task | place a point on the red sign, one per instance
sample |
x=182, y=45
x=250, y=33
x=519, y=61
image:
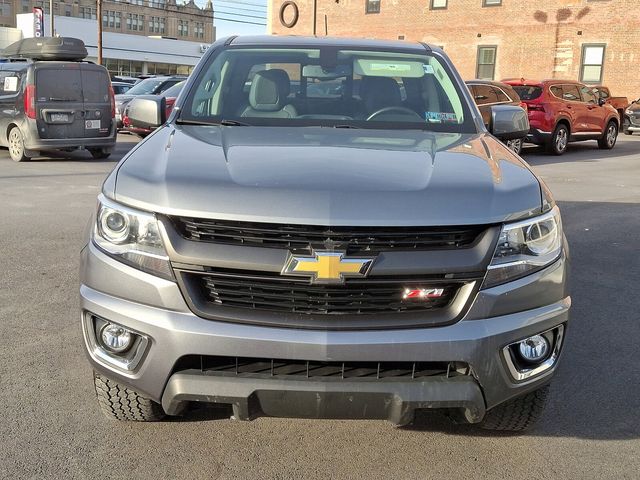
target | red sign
x=38, y=22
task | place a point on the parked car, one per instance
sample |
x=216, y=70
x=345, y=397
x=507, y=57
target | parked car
x=321, y=257
x=169, y=96
x=563, y=111
x=121, y=87
x=487, y=94
x=148, y=86
x=50, y=99
x=632, y=118
x=619, y=103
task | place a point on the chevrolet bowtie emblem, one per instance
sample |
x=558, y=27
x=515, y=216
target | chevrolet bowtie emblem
x=327, y=267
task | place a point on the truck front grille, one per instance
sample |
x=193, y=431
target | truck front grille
x=303, y=369
x=265, y=291
x=306, y=237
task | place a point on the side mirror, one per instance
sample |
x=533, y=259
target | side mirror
x=508, y=122
x=602, y=102
x=147, y=111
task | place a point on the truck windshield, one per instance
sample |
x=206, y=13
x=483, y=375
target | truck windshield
x=333, y=87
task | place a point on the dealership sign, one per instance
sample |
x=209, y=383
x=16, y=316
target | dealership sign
x=38, y=22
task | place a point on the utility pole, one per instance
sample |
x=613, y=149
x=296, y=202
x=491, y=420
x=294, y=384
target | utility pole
x=51, y=17
x=315, y=16
x=99, y=17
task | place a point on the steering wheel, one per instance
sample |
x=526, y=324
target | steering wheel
x=384, y=110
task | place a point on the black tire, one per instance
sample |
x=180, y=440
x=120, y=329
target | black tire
x=16, y=146
x=518, y=414
x=121, y=403
x=99, y=153
x=559, y=140
x=628, y=132
x=608, y=140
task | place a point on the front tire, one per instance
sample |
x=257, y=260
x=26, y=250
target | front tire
x=559, y=140
x=121, y=403
x=16, y=146
x=608, y=140
x=518, y=414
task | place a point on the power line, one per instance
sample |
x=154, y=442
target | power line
x=244, y=9
x=239, y=21
x=235, y=2
x=240, y=15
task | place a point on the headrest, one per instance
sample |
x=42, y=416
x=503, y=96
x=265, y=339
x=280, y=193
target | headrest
x=379, y=92
x=269, y=90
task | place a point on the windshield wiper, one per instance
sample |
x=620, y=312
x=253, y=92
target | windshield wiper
x=224, y=122
x=233, y=123
x=345, y=125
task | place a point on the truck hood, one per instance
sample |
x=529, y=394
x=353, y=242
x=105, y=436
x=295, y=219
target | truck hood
x=326, y=176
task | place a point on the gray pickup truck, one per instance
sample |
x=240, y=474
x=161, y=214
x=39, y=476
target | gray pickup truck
x=325, y=228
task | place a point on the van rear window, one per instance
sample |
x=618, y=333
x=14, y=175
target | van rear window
x=527, y=92
x=95, y=86
x=53, y=85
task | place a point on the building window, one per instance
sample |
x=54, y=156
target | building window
x=5, y=8
x=162, y=25
x=438, y=4
x=183, y=28
x=26, y=6
x=118, y=18
x=486, y=65
x=85, y=12
x=198, y=30
x=491, y=3
x=592, y=63
x=373, y=6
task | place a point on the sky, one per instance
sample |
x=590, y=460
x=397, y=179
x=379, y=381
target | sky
x=239, y=11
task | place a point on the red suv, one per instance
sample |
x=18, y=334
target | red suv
x=563, y=111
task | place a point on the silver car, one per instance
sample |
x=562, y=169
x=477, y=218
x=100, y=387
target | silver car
x=325, y=228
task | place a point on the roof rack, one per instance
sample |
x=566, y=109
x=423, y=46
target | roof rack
x=47, y=48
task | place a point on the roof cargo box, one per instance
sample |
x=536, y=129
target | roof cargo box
x=47, y=48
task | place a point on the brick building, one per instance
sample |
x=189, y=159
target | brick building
x=595, y=41
x=164, y=18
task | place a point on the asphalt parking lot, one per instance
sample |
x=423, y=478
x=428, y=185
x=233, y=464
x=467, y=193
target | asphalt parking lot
x=51, y=427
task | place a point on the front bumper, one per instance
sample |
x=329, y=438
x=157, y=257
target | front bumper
x=173, y=332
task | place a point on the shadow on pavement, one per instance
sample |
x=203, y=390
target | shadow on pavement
x=586, y=151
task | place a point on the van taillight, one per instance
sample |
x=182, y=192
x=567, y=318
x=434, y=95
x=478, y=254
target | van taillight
x=112, y=98
x=30, y=101
x=524, y=106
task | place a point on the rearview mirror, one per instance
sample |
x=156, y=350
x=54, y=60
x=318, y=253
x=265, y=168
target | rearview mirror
x=508, y=122
x=147, y=111
x=602, y=102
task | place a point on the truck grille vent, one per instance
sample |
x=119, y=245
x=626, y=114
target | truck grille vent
x=306, y=237
x=296, y=295
x=267, y=367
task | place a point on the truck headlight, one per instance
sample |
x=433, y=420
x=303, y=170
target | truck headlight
x=525, y=247
x=132, y=237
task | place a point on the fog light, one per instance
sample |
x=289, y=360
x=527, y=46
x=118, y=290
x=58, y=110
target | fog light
x=534, y=349
x=115, y=338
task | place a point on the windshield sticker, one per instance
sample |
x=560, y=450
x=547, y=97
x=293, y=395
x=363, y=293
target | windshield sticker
x=428, y=69
x=390, y=67
x=11, y=84
x=439, y=117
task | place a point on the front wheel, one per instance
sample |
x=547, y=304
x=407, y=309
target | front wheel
x=608, y=140
x=518, y=414
x=121, y=403
x=16, y=146
x=559, y=140
x=515, y=145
